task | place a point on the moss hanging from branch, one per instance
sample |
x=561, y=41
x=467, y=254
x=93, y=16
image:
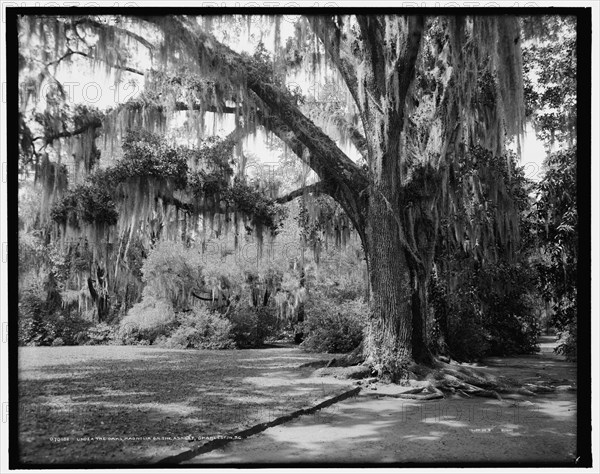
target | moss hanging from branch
x=54, y=181
x=157, y=182
x=488, y=48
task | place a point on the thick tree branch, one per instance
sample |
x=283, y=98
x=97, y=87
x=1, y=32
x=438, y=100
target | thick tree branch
x=342, y=193
x=71, y=52
x=372, y=34
x=326, y=159
x=50, y=138
x=398, y=76
x=352, y=132
x=284, y=118
x=317, y=188
x=96, y=24
x=326, y=155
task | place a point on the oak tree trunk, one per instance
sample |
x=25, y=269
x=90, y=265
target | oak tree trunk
x=395, y=336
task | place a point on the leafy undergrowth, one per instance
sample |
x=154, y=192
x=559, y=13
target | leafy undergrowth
x=127, y=404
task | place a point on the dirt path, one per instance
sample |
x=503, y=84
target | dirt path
x=390, y=430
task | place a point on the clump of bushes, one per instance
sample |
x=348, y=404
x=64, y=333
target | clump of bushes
x=491, y=313
x=100, y=334
x=468, y=337
x=567, y=341
x=201, y=329
x=251, y=326
x=45, y=324
x=333, y=326
x=147, y=320
x=153, y=321
x=171, y=271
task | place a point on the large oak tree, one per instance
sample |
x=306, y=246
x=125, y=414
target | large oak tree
x=424, y=91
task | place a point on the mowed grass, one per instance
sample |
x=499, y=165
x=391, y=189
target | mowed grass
x=128, y=404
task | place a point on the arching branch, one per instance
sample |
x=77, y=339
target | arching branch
x=283, y=117
x=96, y=24
x=50, y=138
x=327, y=160
x=71, y=52
x=347, y=194
x=317, y=188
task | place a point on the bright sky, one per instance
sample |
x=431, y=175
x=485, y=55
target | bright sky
x=532, y=155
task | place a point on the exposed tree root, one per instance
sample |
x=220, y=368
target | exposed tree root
x=353, y=372
x=432, y=381
x=423, y=393
x=353, y=358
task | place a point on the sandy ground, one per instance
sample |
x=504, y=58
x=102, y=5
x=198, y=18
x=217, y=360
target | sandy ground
x=374, y=429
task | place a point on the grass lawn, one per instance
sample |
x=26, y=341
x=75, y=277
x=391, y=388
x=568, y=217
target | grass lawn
x=114, y=404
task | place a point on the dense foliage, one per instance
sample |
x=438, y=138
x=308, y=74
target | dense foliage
x=489, y=312
x=333, y=326
x=558, y=236
x=550, y=79
x=201, y=329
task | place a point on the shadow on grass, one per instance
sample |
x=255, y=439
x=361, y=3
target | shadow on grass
x=538, y=430
x=123, y=404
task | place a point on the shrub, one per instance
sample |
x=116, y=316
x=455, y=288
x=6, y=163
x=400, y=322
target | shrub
x=201, y=329
x=567, y=341
x=491, y=312
x=99, y=334
x=467, y=337
x=33, y=327
x=509, y=309
x=334, y=326
x=252, y=326
x=512, y=333
x=147, y=320
x=171, y=271
x=565, y=319
x=41, y=325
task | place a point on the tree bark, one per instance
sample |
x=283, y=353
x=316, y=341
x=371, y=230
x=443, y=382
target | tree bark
x=388, y=343
x=396, y=334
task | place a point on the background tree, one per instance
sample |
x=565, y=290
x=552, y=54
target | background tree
x=551, y=98
x=550, y=80
x=557, y=227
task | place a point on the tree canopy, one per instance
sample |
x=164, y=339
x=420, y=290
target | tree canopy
x=408, y=132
